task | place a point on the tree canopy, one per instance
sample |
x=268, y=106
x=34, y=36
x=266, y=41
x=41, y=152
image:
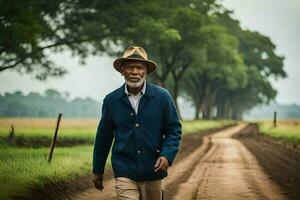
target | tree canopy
x=202, y=52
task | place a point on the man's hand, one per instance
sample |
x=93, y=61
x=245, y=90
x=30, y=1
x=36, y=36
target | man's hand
x=97, y=180
x=162, y=163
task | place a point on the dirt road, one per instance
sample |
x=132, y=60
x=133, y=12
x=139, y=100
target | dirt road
x=221, y=168
x=228, y=171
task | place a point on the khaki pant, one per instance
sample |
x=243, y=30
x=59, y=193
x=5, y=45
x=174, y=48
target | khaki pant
x=131, y=190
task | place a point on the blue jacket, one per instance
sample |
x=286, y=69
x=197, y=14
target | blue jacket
x=139, y=139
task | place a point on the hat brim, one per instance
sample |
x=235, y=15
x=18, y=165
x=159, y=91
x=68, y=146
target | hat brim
x=151, y=66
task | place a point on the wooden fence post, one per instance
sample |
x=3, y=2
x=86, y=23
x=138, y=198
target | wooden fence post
x=54, y=138
x=275, y=121
x=11, y=136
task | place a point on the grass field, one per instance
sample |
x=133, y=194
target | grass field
x=82, y=128
x=287, y=130
x=32, y=127
x=24, y=168
x=194, y=126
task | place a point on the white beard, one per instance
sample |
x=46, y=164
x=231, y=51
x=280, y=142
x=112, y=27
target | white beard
x=136, y=84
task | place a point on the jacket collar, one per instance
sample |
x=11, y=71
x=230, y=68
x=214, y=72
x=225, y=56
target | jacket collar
x=148, y=92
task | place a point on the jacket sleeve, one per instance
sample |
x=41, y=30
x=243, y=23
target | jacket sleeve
x=172, y=131
x=103, y=140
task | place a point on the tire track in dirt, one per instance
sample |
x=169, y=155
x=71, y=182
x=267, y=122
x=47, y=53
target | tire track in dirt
x=280, y=161
x=188, y=189
x=229, y=171
x=177, y=173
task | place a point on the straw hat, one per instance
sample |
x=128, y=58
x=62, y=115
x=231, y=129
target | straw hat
x=136, y=54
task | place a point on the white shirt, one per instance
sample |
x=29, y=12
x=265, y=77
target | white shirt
x=135, y=99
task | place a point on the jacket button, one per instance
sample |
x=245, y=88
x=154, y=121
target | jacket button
x=131, y=113
x=137, y=125
x=138, y=151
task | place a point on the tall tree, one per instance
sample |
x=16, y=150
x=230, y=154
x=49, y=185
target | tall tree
x=169, y=41
x=219, y=65
x=262, y=62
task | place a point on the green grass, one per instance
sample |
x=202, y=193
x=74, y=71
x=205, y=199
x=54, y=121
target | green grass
x=36, y=128
x=287, y=130
x=196, y=126
x=74, y=131
x=24, y=168
x=69, y=133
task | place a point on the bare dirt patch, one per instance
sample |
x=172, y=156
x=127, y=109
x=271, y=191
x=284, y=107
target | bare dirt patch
x=280, y=160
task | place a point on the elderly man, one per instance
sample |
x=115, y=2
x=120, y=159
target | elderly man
x=142, y=120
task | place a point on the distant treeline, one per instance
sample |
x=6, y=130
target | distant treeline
x=267, y=111
x=48, y=105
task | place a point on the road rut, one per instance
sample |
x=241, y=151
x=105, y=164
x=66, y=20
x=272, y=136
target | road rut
x=221, y=168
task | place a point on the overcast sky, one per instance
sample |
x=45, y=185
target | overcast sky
x=280, y=20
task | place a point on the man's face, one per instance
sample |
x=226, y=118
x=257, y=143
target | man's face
x=134, y=73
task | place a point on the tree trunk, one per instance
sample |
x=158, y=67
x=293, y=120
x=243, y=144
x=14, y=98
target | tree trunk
x=206, y=112
x=237, y=114
x=197, y=109
x=205, y=100
x=220, y=110
x=226, y=110
x=210, y=103
x=175, y=97
x=159, y=81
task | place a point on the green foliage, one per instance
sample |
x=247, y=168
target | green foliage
x=201, y=51
x=23, y=26
x=219, y=66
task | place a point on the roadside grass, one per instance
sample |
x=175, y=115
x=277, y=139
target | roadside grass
x=24, y=168
x=80, y=129
x=286, y=130
x=197, y=126
x=84, y=129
